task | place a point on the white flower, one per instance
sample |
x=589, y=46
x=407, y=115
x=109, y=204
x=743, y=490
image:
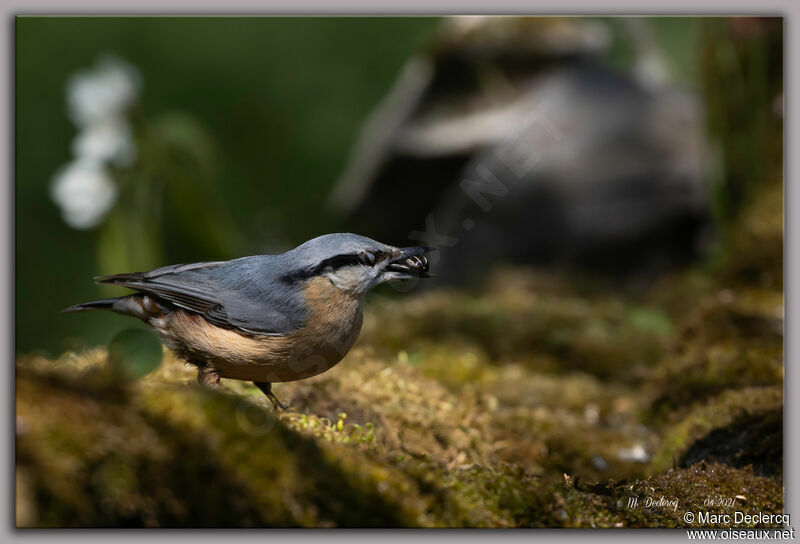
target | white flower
x=98, y=100
x=109, y=139
x=107, y=90
x=85, y=193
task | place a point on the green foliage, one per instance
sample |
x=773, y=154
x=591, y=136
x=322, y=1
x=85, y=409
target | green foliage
x=741, y=62
x=168, y=202
x=650, y=320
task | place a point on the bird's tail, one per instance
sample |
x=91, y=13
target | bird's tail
x=137, y=305
x=105, y=304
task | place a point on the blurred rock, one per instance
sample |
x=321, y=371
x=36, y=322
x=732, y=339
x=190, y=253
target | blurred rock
x=510, y=139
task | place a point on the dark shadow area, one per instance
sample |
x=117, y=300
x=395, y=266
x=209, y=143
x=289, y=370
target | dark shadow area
x=751, y=439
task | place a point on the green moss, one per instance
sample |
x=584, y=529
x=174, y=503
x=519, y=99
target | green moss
x=753, y=255
x=731, y=340
x=706, y=487
x=721, y=412
x=551, y=332
x=169, y=457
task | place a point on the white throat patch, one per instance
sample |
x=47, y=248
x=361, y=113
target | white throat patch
x=354, y=278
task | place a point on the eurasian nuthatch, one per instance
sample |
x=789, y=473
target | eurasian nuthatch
x=265, y=318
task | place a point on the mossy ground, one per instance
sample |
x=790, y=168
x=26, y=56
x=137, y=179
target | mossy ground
x=532, y=402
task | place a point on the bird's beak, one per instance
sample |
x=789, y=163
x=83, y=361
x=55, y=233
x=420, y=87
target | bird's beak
x=411, y=262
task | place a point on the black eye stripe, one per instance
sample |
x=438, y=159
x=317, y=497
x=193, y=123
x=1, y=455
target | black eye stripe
x=339, y=261
x=334, y=263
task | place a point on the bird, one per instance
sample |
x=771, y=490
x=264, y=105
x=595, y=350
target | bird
x=264, y=318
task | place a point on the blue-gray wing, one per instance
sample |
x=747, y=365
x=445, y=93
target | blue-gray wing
x=242, y=294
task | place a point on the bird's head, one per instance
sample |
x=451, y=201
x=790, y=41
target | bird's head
x=356, y=263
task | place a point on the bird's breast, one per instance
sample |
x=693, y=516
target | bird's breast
x=332, y=327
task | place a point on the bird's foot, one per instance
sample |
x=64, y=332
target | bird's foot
x=266, y=388
x=208, y=376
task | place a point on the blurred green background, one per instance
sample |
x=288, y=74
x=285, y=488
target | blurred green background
x=280, y=99
x=253, y=119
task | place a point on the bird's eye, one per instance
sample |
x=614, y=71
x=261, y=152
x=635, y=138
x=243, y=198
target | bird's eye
x=366, y=258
